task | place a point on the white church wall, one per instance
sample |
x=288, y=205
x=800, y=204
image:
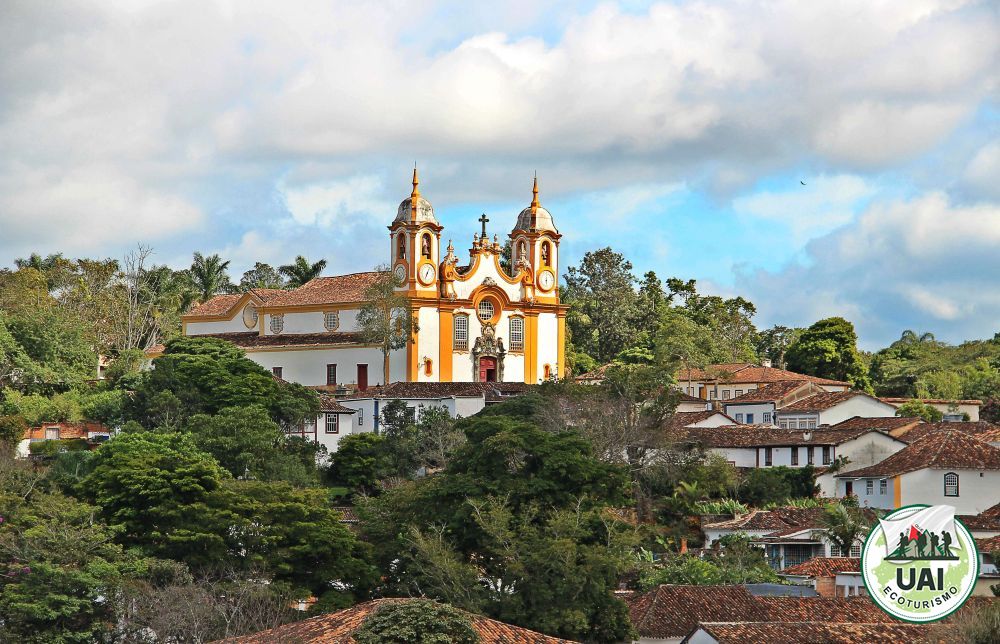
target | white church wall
x=314, y=322
x=308, y=367
x=548, y=349
x=487, y=268
x=219, y=326
x=428, y=344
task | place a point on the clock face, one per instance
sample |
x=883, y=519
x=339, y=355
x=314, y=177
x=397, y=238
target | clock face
x=546, y=280
x=401, y=273
x=427, y=273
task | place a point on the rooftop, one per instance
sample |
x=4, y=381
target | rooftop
x=946, y=449
x=674, y=610
x=888, y=423
x=823, y=401
x=986, y=521
x=980, y=429
x=681, y=419
x=430, y=390
x=221, y=305
x=768, y=435
x=824, y=567
x=339, y=627
x=253, y=339
x=797, y=632
x=745, y=372
x=769, y=393
x=930, y=401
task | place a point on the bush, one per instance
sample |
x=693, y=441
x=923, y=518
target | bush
x=50, y=448
x=12, y=429
x=416, y=621
x=777, y=485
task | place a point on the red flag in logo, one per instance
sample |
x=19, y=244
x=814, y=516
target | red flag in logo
x=914, y=533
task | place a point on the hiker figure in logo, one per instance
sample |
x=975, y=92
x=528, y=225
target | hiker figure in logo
x=921, y=544
x=946, y=546
x=904, y=543
x=934, y=544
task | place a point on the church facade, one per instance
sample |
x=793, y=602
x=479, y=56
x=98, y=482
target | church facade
x=475, y=321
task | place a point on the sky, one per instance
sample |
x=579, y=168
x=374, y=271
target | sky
x=819, y=158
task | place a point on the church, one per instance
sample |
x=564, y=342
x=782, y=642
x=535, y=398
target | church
x=475, y=321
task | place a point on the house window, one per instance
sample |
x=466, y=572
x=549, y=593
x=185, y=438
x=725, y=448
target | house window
x=361, y=416
x=276, y=371
x=812, y=424
x=331, y=374
x=869, y=487
x=331, y=320
x=803, y=423
x=783, y=424
x=250, y=316
x=826, y=456
x=739, y=418
x=277, y=323
x=810, y=456
x=486, y=310
x=749, y=419
x=856, y=550
x=51, y=433
x=516, y=334
x=332, y=424
x=795, y=456
x=883, y=486
x=738, y=393
x=711, y=395
x=725, y=394
x=767, y=456
x=951, y=484
x=462, y=332
x=766, y=417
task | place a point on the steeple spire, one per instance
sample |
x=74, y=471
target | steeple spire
x=415, y=195
x=534, y=192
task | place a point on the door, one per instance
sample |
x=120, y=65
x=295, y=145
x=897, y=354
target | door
x=849, y=488
x=362, y=377
x=487, y=370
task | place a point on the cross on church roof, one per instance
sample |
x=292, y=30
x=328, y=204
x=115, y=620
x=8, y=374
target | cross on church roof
x=483, y=220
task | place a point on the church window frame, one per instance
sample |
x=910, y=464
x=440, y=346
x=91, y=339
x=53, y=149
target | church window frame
x=426, y=245
x=331, y=320
x=250, y=316
x=516, y=333
x=546, y=253
x=951, y=484
x=486, y=310
x=277, y=323
x=401, y=247
x=461, y=332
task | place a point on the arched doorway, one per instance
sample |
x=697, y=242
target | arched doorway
x=487, y=369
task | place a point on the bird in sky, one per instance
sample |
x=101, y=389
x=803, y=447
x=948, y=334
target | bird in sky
x=802, y=182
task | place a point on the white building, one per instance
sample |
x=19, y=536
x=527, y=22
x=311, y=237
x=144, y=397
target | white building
x=945, y=467
x=830, y=408
x=732, y=380
x=953, y=410
x=476, y=322
x=760, y=406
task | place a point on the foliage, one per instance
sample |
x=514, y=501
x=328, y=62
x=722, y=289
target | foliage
x=209, y=277
x=261, y=276
x=361, y=462
x=205, y=375
x=44, y=349
x=736, y=562
x=773, y=343
x=416, y=621
x=762, y=486
x=301, y=271
x=918, y=409
x=843, y=525
x=721, y=506
x=385, y=319
x=12, y=430
x=828, y=349
x=601, y=294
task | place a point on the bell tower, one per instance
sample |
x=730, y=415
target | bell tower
x=535, y=247
x=415, y=244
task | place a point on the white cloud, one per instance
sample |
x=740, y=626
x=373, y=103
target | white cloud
x=924, y=263
x=336, y=203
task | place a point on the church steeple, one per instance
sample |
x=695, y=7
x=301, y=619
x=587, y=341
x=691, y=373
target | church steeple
x=534, y=193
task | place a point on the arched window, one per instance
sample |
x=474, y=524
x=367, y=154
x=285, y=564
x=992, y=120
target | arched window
x=331, y=320
x=461, y=332
x=546, y=254
x=517, y=334
x=425, y=246
x=522, y=249
x=401, y=253
x=277, y=323
x=486, y=310
x=951, y=484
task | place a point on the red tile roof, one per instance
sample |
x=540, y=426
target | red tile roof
x=339, y=627
x=681, y=419
x=857, y=610
x=769, y=393
x=888, y=423
x=798, y=632
x=986, y=521
x=221, y=305
x=768, y=435
x=930, y=401
x=778, y=521
x=823, y=401
x=673, y=610
x=253, y=339
x=980, y=429
x=328, y=403
x=946, y=449
x=341, y=289
x=988, y=544
x=431, y=390
x=67, y=431
x=824, y=567
x=745, y=372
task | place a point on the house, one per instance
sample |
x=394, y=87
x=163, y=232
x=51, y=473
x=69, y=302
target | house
x=789, y=536
x=830, y=408
x=333, y=422
x=829, y=576
x=687, y=402
x=768, y=446
x=476, y=320
x=668, y=613
x=731, y=380
x=989, y=575
x=983, y=525
x=953, y=410
x=93, y=433
x=945, y=467
x=780, y=632
x=759, y=405
x=705, y=418
x=339, y=626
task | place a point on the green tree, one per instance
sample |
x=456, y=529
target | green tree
x=361, y=462
x=602, y=288
x=770, y=485
x=261, y=276
x=209, y=276
x=773, y=344
x=301, y=271
x=416, y=621
x=843, y=526
x=205, y=375
x=918, y=409
x=385, y=319
x=12, y=430
x=828, y=349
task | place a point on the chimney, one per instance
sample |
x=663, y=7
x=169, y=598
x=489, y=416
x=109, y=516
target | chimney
x=766, y=362
x=807, y=436
x=684, y=545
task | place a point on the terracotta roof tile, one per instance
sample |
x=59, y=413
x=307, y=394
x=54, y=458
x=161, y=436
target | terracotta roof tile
x=67, y=431
x=744, y=372
x=980, y=429
x=221, y=305
x=946, y=449
x=887, y=423
x=347, y=514
x=829, y=633
x=824, y=567
x=768, y=435
x=769, y=393
x=253, y=340
x=431, y=390
x=822, y=401
x=857, y=610
x=987, y=520
x=339, y=627
x=673, y=610
x=328, y=403
x=778, y=521
x=341, y=289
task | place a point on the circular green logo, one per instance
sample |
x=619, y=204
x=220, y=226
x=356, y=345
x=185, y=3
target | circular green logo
x=919, y=563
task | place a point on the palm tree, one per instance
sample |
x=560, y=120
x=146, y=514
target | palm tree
x=208, y=275
x=301, y=271
x=843, y=525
